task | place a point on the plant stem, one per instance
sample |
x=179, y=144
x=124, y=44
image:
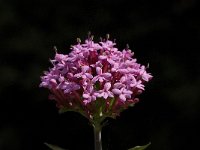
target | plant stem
x=97, y=137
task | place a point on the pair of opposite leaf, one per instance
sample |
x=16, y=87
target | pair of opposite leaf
x=54, y=147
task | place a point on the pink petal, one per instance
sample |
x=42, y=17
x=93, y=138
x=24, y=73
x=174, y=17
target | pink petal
x=116, y=91
x=122, y=97
x=101, y=79
x=84, y=76
x=118, y=85
x=132, y=85
x=78, y=75
x=88, y=75
x=86, y=101
x=110, y=94
x=100, y=94
x=127, y=95
x=85, y=68
x=140, y=85
x=99, y=70
x=123, y=79
x=59, y=57
x=53, y=81
x=105, y=95
x=102, y=57
x=93, y=97
x=106, y=75
x=107, y=86
x=95, y=79
x=127, y=92
x=61, y=79
x=112, y=62
x=146, y=76
x=86, y=95
x=123, y=70
x=90, y=89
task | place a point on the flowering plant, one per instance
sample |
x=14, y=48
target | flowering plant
x=96, y=80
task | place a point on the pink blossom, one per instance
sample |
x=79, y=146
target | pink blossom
x=123, y=93
x=89, y=95
x=95, y=75
x=84, y=73
x=105, y=92
x=101, y=76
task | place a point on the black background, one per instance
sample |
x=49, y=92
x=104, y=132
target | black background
x=165, y=34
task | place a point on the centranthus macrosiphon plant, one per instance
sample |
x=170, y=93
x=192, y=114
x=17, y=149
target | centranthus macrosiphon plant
x=95, y=79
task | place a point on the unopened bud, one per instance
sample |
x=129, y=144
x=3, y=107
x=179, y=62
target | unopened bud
x=89, y=34
x=55, y=49
x=127, y=47
x=91, y=37
x=78, y=40
x=107, y=36
x=147, y=65
x=101, y=39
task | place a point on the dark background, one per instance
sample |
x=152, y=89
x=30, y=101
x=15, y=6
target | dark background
x=164, y=33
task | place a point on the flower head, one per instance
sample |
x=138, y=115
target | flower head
x=95, y=79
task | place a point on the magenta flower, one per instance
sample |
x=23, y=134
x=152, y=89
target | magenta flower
x=101, y=76
x=95, y=78
x=105, y=92
x=89, y=94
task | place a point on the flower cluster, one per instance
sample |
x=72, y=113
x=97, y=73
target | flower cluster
x=95, y=79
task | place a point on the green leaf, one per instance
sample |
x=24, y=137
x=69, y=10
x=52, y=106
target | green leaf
x=54, y=147
x=140, y=147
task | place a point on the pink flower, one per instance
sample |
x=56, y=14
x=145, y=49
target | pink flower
x=107, y=45
x=123, y=93
x=84, y=73
x=89, y=95
x=101, y=76
x=95, y=75
x=105, y=92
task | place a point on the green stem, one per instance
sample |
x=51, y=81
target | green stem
x=97, y=137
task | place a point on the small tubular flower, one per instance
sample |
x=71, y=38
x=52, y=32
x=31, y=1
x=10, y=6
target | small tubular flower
x=105, y=92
